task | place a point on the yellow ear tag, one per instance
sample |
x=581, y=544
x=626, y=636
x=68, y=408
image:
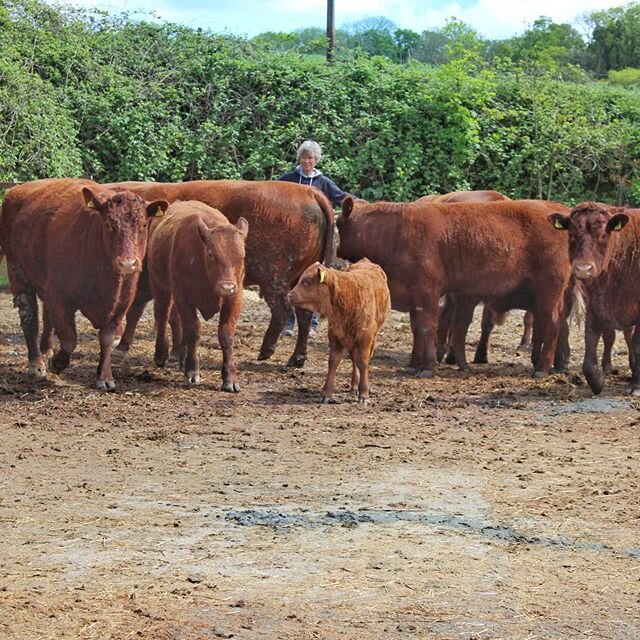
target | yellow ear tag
x=91, y=204
x=323, y=276
x=159, y=212
x=557, y=224
x=618, y=226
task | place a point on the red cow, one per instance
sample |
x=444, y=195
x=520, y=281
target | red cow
x=464, y=196
x=356, y=303
x=292, y=226
x=196, y=263
x=488, y=250
x=78, y=246
x=604, y=249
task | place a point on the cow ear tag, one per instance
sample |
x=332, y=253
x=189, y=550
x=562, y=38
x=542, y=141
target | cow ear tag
x=159, y=212
x=618, y=226
x=557, y=224
x=91, y=204
x=323, y=276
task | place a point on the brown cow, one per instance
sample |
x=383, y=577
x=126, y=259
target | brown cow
x=196, y=263
x=489, y=250
x=356, y=303
x=292, y=226
x=78, y=246
x=604, y=249
x=464, y=196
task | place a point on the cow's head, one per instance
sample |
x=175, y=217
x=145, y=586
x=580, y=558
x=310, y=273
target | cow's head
x=224, y=251
x=124, y=218
x=312, y=291
x=590, y=226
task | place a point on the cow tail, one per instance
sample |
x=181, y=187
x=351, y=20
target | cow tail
x=329, y=253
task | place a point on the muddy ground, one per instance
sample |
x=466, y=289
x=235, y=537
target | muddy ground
x=476, y=506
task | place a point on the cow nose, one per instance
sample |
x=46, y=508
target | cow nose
x=584, y=270
x=228, y=288
x=128, y=265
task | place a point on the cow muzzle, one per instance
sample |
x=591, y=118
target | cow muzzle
x=127, y=266
x=584, y=270
x=227, y=289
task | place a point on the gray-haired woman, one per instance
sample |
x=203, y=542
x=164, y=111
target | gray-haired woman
x=309, y=154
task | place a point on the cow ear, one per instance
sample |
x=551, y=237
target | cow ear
x=91, y=200
x=347, y=206
x=157, y=209
x=617, y=222
x=243, y=226
x=559, y=221
x=203, y=230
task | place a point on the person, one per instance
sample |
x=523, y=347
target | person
x=309, y=155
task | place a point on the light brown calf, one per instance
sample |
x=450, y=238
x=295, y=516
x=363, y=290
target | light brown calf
x=356, y=302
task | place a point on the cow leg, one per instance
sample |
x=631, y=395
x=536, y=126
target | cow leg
x=191, y=328
x=299, y=356
x=226, y=333
x=46, y=339
x=527, y=323
x=133, y=317
x=27, y=304
x=634, y=388
x=447, y=314
x=590, y=369
x=63, y=320
x=161, y=310
x=426, y=327
x=106, y=336
x=336, y=351
x=177, y=339
x=563, y=349
x=487, y=324
x=361, y=364
x=628, y=337
x=279, y=307
x=608, y=339
x=544, y=340
x=462, y=319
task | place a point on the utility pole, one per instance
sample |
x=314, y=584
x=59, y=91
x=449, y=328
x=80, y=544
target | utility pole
x=331, y=32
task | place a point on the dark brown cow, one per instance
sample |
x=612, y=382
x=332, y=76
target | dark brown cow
x=292, y=226
x=196, y=263
x=464, y=196
x=604, y=249
x=487, y=250
x=78, y=246
x=356, y=302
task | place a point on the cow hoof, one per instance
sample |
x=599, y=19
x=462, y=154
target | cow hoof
x=192, y=379
x=106, y=385
x=265, y=354
x=424, y=373
x=296, y=361
x=465, y=368
x=230, y=387
x=37, y=371
x=634, y=391
x=481, y=360
x=362, y=400
x=539, y=375
x=326, y=400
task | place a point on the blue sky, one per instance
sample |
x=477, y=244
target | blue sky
x=490, y=18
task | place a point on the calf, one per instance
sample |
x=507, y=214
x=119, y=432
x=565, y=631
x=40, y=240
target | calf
x=356, y=303
x=196, y=263
x=77, y=246
x=604, y=249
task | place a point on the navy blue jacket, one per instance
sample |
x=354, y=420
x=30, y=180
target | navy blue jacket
x=317, y=180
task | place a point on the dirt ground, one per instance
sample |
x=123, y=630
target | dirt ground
x=474, y=506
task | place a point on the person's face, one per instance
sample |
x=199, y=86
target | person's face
x=308, y=163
